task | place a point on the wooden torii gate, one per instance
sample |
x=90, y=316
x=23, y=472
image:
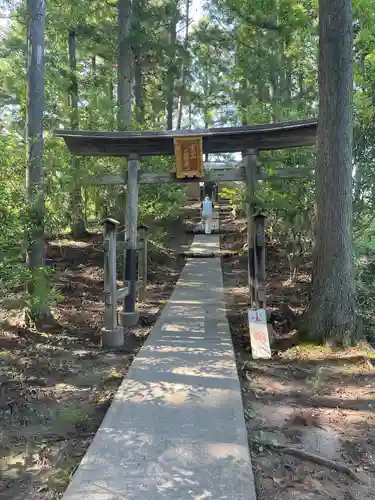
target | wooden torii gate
x=134, y=145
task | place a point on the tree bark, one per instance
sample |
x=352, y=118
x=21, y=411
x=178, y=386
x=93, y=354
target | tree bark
x=94, y=104
x=124, y=83
x=111, y=88
x=139, y=105
x=332, y=313
x=171, y=73
x=138, y=89
x=38, y=310
x=124, y=65
x=77, y=222
x=184, y=68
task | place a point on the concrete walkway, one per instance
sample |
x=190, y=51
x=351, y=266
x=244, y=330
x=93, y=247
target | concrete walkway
x=175, y=429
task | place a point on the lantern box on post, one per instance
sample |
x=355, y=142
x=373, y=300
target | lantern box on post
x=260, y=231
x=143, y=231
x=189, y=157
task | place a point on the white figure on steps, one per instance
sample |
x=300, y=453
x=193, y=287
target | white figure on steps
x=207, y=209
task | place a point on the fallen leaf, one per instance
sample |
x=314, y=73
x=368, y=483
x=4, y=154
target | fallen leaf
x=279, y=481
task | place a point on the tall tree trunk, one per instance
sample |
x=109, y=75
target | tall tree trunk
x=124, y=85
x=94, y=104
x=184, y=68
x=111, y=88
x=94, y=194
x=124, y=65
x=38, y=311
x=301, y=81
x=171, y=74
x=243, y=106
x=287, y=70
x=332, y=313
x=275, y=72
x=139, y=108
x=138, y=88
x=78, y=224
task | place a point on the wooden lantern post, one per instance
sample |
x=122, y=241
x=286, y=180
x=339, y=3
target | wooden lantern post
x=260, y=259
x=143, y=259
x=112, y=334
x=250, y=162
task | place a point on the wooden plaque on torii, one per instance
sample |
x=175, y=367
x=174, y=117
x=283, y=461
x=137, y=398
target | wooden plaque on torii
x=189, y=157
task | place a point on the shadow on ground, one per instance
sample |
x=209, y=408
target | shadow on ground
x=55, y=387
x=313, y=398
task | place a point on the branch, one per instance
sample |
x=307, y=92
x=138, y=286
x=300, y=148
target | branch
x=268, y=24
x=265, y=25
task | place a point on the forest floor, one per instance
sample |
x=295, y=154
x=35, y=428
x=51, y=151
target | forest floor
x=56, y=387
x=309, y=398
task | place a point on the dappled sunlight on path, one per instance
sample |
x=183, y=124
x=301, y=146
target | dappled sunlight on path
x=175, y=429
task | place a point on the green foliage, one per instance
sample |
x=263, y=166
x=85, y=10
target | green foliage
x=41, y=295
x=158, y=201
x=365, y=269
x=250, y=61
x=269, y=49
x=95, y=25
x=235, y=195
x=13, y=215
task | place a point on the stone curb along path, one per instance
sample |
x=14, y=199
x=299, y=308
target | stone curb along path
x=175, y=429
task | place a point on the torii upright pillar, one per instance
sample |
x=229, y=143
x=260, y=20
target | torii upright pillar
x=129, y=316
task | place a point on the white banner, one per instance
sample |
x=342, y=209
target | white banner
x=259, y=339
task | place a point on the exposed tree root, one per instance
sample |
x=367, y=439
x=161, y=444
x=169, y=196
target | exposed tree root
x=312, y=457
x=57, y=439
